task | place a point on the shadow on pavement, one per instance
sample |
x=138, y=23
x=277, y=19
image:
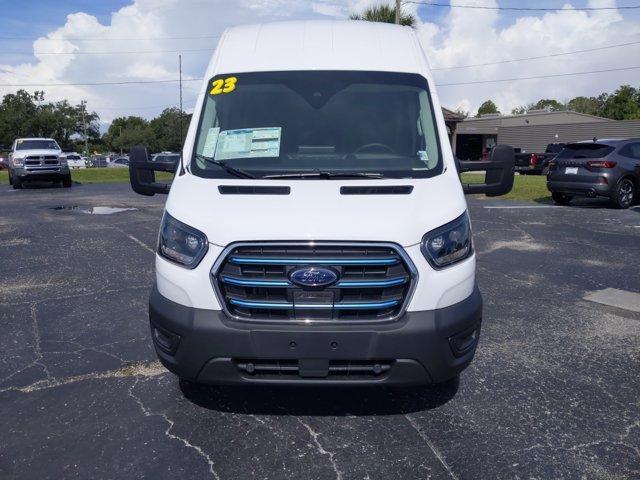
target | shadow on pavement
x=320, y=401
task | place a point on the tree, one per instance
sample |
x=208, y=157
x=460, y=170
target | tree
x=588, y=105
x=548, y=104
x=624, y=104
x=385, y=14
x=125, y=132
x=25, y=115
x=166, y=130
x=487, y=107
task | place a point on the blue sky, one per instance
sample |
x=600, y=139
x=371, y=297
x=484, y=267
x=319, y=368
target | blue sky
x=452, y=37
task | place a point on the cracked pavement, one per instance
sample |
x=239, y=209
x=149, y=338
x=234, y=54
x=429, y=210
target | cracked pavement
x=553, y=392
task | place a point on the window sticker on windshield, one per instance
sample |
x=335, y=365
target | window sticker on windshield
x=210, y=142
x=248, y=143
x=223, y=85
x=423, y=156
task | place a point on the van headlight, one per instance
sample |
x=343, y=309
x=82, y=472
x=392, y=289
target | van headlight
x=18, y=162
x=448, y=244
x=180, y=243
x=63, y=161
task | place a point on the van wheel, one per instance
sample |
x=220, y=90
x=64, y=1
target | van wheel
x=10, y=179
x=66, y=181
x=17, y=183
x=624, y=194
x=545, y=171
x=561, y=198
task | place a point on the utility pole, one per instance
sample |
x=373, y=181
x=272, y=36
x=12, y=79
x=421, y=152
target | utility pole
x=180, y=70
x=84, y=126
x=397, y=12
x=120, y=140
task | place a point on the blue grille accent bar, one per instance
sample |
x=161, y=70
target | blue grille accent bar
x=314, y=261
x=255, y=282
x=342, y=284
x=372, y=283
x=337, y=306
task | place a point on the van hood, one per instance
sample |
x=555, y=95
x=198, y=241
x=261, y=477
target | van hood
x=316, y=210
x=36, y=152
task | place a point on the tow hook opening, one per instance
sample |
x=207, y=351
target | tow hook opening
x=463, y=342
x=165, y=340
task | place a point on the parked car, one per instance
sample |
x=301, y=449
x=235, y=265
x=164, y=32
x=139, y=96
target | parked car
x=599, y=168
x=37, y=159
x=537, y=163
x=166, y=157
x=74, y=160
x=122, y=162
x=306, y=244
x=98, y=161
x=4, y=162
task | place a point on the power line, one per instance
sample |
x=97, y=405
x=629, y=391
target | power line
x=108, y=39
x=126, y=52
x=521, y=9
x=144, y=82
x=569, y=74
x=93, y=84
x=538, y=57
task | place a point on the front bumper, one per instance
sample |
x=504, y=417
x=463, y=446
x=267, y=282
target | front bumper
x=41, y=173
x=420, y=348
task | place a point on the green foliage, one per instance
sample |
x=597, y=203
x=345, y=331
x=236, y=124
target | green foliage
x=487, y=107
x=25, y=115
x=385, y=14
x=623, y=104
x=160, y=134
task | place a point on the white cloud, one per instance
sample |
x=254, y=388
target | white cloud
x=463, y=37
x=478, y=36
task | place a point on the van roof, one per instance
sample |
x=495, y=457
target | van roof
x=318, y=45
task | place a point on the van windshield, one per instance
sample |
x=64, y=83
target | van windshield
x=306, y=123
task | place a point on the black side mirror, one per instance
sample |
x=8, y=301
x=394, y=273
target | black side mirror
x=142, y=172
x=499, y=172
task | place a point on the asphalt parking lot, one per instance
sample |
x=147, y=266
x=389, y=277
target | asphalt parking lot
x=554, y=391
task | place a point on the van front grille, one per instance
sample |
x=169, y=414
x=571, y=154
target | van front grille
x=373, y=282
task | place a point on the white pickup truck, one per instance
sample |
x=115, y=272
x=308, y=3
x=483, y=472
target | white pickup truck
x=37, y=159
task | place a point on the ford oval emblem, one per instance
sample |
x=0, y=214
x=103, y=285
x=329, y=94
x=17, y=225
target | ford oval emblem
x=313, y=277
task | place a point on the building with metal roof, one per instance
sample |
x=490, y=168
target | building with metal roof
x=533, y=130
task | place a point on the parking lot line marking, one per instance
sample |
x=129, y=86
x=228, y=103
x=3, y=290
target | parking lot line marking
x=504, y=207
x=138, y=241
x=614, y=297
x=433, y=448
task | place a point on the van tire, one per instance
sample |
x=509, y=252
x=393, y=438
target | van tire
x=561, y=198
x=10, y=179
x=66, y=181
x=16, y=183
x=623, y=194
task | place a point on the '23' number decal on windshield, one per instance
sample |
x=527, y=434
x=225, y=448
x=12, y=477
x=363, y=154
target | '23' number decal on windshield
x=223, y=85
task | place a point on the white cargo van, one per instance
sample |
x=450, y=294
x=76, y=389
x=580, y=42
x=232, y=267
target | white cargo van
x=316, y=230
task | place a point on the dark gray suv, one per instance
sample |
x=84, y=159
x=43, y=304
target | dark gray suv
x=600, y=168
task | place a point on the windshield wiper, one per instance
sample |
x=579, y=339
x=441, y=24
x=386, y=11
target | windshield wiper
x=325, y=174
x=236, y=172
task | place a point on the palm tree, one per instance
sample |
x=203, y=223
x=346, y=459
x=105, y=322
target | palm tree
x=386, y=14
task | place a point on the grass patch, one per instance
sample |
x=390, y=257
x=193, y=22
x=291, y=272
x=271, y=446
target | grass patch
x=529, y=188
x=100, y=175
